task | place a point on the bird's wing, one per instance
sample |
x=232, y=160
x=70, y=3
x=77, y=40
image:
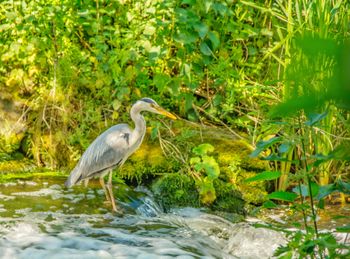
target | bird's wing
x=106, y=151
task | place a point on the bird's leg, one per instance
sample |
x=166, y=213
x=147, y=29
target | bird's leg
x=110, y=189
x=102, y=182
x=86, y=182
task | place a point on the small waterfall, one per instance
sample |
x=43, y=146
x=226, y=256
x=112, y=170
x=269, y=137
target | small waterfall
x=148, y=208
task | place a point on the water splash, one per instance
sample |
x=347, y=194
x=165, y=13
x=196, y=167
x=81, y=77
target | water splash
x=40, y=219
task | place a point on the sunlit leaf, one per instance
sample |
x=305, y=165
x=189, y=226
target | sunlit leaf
x=343, y=229
x=264, y=176
x=161, y=81
x=269, y=204
x=206, y=191
x=211, y=167
x=203, y=149
x=283, y=196
x=149, y=30
x=195, y=160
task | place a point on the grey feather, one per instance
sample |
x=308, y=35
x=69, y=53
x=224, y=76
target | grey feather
x=107, y=151
x=113, y=147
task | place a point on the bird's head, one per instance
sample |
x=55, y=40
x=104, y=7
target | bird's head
x=148, y=104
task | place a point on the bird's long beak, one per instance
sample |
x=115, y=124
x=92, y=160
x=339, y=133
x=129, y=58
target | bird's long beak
x=166, y=113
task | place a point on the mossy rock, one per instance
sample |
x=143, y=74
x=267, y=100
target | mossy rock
x=232, y=155
x=176, y=190
x=180, y=190
x=228, y=198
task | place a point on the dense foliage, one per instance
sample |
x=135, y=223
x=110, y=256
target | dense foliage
x=69, y=69
x=75, y=67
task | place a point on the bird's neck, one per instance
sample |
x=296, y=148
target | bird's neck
x=140, y=125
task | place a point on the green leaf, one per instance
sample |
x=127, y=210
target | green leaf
x=214, y=38
x=202, y=29
x=269, y=204
x=205, y=49
x=221, y=8
x=262, y=145
x=284, y=148
x=274, y=157
x=314, y=189
x=185, y=37
x=195, y=160
x=206, y=191
x=189, y=2
x=264, y=176
x=283, y=196
x=344, y=229
x=149, y=30
x=161, y=81
x=211, y=167
x=203, y=149
x=302, y=190
x=321, y=204
x=325, y=190
x=315, y=118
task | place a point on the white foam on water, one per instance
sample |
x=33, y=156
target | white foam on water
x=145, y=232
x=30, y=183
x=55, y=194
x=6, y=197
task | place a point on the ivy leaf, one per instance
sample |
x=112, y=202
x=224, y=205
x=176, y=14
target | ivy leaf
x=195, y=160
x=207, y=191
x=283, y=196
x=264, y=176
x=211, y=167
x=203, y=149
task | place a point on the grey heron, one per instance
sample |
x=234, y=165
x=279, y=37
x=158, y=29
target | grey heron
x=112, y=148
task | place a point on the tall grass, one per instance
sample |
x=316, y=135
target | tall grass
x=323, y=19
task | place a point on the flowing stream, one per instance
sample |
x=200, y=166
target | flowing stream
x=39, y=218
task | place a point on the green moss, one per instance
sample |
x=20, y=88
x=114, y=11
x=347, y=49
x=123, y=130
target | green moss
x=147, y=162
x=232, y=155
x=176, y=189
x=228, y=198
x=6, y=177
